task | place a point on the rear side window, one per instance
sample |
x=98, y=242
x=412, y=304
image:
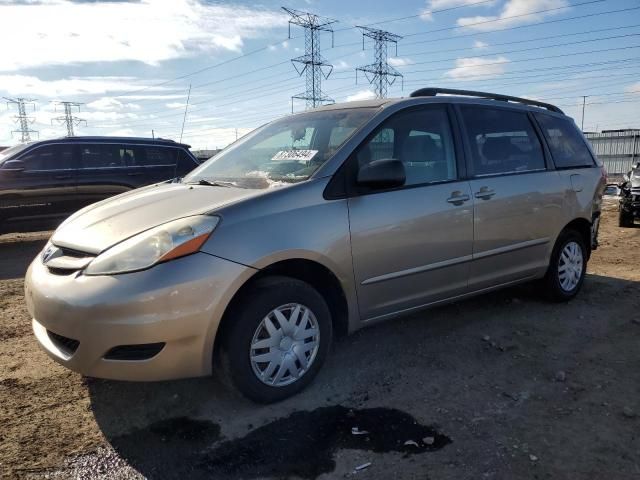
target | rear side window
x=155, y=156
x=567, y=146
x=502, y=141
x=49, y=157
x=101, y=156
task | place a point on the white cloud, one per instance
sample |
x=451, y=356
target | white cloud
x=515, y=12
x=436, y=5
x=399, y=62
x=476, y=67
x=149, y=31
x=361, y=95
x=29, y=85
x=341, y=65
x=101, y=116
x=110, y=103
x=480, y=45
x=175, y=105
x=634, y=88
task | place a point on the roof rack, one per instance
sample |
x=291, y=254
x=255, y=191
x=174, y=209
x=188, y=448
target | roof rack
x=433, y=91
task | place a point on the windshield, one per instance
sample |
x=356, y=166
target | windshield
x=285, y=151
x=4, y=154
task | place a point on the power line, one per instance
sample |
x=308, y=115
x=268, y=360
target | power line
x=22, y=118
x=279, y=42
x=380, y=73
x=69, y=120
x=440, y=39
x=518, y=27
x=537, y=47
x=523, y=74
x=312, y=64
x=514, y=42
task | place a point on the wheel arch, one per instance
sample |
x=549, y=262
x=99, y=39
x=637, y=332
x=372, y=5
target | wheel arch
x=583, y=227
x=312, y=272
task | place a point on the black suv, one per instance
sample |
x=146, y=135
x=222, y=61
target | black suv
x=53, y=178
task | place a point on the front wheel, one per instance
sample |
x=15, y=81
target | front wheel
x=278, y=340
x=567, y=268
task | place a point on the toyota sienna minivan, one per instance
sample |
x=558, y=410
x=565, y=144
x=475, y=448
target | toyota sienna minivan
x=316, y=225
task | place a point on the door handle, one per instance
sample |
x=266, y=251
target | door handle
x=135, y=174
x=62, y=177
x=458, y=198
x=485, y=193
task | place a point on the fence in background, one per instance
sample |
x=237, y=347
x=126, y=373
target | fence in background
x=619, y=150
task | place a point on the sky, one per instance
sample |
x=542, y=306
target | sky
x=131, y=63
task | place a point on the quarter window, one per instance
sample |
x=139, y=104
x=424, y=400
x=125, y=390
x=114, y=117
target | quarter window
x=567, y=146
x=421, y=140
x=159, y=156
x=50, y=157
x=502, y=141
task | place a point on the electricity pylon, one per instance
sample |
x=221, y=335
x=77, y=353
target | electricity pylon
x=22, y=118
x=69, y=120
x=380, y=73
x=312, y=64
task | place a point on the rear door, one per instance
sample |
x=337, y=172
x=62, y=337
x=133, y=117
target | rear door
x=103, y=171
x=577, y=167
x=411, y=245
x=518, y=200
x=157, y=164
x=46, y=186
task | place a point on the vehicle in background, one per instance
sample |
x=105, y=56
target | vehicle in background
x=50, y=179
x=629, y=207
x=612, y=190
x=314, y=225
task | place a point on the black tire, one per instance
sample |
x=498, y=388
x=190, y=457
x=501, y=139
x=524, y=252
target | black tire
x=266, y=295
x=625, y=219
x=551, y=284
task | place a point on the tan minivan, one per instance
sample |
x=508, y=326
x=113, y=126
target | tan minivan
x=315, y=225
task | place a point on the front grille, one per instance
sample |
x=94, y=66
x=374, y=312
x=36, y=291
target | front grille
x=134, y=352
x=65, y=344
x=68, y=261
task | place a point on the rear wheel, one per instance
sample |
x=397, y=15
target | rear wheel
x=625, y=219
x=567, y=268
x=278, y=340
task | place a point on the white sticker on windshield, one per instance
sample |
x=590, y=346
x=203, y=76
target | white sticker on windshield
x=295, y=155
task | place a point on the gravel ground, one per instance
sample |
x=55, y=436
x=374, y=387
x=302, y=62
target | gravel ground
x=503, y=386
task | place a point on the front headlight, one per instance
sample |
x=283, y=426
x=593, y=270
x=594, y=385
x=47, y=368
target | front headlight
x=165, y=242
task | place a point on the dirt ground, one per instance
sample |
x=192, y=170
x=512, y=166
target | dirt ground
x=504, y=386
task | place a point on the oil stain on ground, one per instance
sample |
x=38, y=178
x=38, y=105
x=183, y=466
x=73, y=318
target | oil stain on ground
x=303, y=443
x=168, y=447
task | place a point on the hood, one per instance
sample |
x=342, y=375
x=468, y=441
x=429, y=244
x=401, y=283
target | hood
x=103, y=224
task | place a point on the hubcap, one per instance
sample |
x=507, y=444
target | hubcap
x=570, y=266
x=284, y=345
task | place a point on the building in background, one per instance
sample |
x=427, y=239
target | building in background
x=203, y=155
x=619, y=150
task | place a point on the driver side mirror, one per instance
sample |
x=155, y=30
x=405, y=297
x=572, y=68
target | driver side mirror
x=13, y=166
x=384, y=173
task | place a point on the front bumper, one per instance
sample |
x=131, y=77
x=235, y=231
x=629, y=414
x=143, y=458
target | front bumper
x=179, y=303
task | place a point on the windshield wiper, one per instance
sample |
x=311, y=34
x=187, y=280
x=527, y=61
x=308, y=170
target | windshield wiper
x=214, y=183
